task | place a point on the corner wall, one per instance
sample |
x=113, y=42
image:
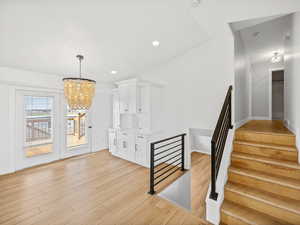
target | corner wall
x=241, y=81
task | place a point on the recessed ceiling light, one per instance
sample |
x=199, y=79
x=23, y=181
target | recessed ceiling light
x=155, y=43
x=114, y=72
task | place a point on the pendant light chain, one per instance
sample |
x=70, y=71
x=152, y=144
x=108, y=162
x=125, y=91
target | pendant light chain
x=80, y=58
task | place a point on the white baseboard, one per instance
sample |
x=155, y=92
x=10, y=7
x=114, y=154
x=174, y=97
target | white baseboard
x=260, y=118
x=241, y=123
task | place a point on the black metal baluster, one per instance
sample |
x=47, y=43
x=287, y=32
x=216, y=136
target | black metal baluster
x=152, y=192
x=170, y=158
x=182, y=153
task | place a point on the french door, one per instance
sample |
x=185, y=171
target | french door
x=47, y=130
x=37, y=128
x=77, y=138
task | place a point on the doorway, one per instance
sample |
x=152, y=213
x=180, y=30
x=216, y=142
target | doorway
x=277, y=94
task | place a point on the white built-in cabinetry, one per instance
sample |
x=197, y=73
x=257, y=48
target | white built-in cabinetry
x=136, y=120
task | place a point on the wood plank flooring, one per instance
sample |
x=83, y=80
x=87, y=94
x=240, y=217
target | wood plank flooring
x=93, y=189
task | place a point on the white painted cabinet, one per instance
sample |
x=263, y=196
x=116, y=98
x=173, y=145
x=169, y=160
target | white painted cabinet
x=112, y=141
x=141, y=145
x=137, y=109
x=123, y=145
x=127, y=93
x=143, y=98
x=116, y=109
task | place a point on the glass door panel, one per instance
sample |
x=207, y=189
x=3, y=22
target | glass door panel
x=76, y=129
x=77, y=135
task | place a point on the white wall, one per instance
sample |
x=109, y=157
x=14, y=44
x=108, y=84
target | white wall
x=259, y=50
x=12, y=79
x=101, y=119
x=292, y=76
x=196, y=84
x=241, y=80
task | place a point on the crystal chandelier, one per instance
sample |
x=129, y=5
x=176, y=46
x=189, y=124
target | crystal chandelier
x=79, y=91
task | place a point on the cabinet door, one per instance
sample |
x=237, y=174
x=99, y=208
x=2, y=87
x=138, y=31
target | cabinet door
x=116, y=110
x=143, y=99
x=140, y=150
x=124, y=98
x=112, y=142
x=124, y=146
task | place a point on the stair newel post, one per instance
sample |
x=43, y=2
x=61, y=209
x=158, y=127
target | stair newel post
x=213, y=193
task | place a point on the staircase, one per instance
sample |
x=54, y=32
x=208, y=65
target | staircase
x=263, y=184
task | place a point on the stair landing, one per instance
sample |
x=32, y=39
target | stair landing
x=266, y=126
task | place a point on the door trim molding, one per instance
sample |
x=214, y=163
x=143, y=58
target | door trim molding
x=270, y=89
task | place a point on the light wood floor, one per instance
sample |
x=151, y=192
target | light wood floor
x=72, y=141
x=92, y=189
x=266, y=126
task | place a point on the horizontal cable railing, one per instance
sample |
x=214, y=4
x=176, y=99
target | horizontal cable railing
x=218, y=141
x=166, y=157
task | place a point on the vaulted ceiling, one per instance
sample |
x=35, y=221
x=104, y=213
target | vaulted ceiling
x=45, y=36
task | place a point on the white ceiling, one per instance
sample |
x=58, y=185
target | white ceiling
x=270, y=38
x=250, y=23
x=45, y=36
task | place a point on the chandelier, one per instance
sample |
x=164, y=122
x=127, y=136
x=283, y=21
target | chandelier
x=79, y=91
x=276, y=58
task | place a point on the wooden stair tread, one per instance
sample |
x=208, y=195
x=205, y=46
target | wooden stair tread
x=290, y=205
x=262, y=159
x=247, y=215
x=266, y=145
x=276, y=179
x=265, y=132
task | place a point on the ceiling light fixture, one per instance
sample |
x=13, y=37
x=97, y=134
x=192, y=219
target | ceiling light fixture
x=276, y=58
x=79, y=91
x=114, y=72
x=155, y=43
x=196, y=3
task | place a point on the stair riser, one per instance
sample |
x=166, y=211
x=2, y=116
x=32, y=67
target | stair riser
x=226, y=219
x=264, y=185
x=265, y=167
x=262, y=207
x=287, y=140
x=267, y=152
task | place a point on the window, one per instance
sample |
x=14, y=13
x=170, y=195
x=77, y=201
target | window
x=38, y=125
